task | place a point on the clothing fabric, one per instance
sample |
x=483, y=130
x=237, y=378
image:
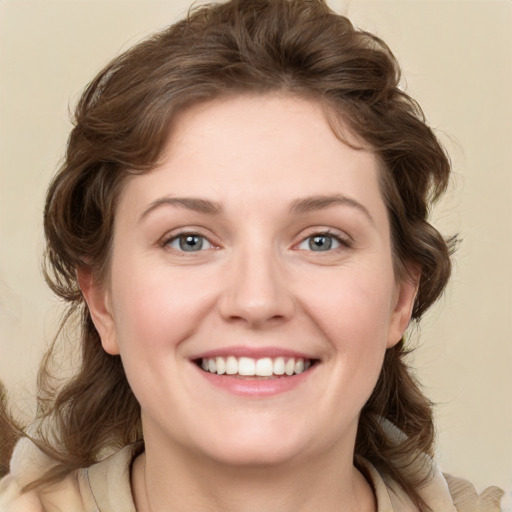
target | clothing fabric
x=105, y=487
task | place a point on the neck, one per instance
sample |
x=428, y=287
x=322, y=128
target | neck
x=173, y=481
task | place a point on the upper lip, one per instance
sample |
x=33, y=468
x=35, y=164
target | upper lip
x=252, y=352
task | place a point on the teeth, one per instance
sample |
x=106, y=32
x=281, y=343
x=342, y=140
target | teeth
x=289, y=367
x=264, y=367
x=231, y=365
x=221, y=365
x=248, y=367
x=279, y=366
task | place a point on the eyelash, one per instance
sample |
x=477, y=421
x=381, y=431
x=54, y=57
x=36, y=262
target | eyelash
x=343, y=241
x=167, y=242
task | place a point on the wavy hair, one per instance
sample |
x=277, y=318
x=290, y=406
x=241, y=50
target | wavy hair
x=121, y=125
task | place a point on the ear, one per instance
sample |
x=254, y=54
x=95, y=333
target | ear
x=98, y=301
x=403, y=303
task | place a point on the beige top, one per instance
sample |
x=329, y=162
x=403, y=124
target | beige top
x=105, y=487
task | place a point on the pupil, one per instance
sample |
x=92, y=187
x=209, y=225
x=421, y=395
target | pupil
x=320, y=242
x=191, y=243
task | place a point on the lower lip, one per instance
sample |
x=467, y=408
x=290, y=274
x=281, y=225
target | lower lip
x=256, y=387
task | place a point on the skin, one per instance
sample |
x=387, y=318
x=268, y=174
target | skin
x=255, y=283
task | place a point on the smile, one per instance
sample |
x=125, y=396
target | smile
x=249, y=367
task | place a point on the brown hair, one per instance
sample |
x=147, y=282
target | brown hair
x=8, y=437
x=121, y=126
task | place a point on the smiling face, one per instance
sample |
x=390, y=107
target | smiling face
x=252, y=294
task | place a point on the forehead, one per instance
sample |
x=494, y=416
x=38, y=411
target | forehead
x=243, y=148
x=254, y=119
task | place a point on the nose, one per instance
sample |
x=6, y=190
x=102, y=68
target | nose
x=256, y=290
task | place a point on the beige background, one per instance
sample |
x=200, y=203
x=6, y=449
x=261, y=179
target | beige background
x=457, y=60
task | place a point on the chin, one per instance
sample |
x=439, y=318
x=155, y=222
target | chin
x=256, y=444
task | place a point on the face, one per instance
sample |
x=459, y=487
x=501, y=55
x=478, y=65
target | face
x=252, y=294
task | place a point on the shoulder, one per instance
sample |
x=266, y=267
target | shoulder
x=82, y=490
x=65, y=495
x=459, y=494
x=27, y=464
x=466, y=498
x=441, y=492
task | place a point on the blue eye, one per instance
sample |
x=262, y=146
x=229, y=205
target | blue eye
x=189, y=242
x=320, y=242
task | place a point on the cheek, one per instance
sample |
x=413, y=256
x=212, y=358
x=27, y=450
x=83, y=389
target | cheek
x=352, y=305
x=155, y=307
x=353, y=311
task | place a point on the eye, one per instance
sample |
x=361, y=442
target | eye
x=321, y=242
x=189, y=242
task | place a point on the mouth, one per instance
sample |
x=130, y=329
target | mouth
x=260, y=369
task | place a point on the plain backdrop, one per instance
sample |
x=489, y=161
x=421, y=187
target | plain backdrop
x=457, y=61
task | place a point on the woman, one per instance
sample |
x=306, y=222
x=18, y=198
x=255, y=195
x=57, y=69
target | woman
x=241, y=223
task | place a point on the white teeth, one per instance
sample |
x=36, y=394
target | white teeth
x=279, y=366
x=231, y=365
x=264, y=367
x=248, y=367
x=221, y=365
x=289, y=367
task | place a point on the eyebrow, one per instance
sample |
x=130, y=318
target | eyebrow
x=314, y=203
x=190, y=203
x=298, y=206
